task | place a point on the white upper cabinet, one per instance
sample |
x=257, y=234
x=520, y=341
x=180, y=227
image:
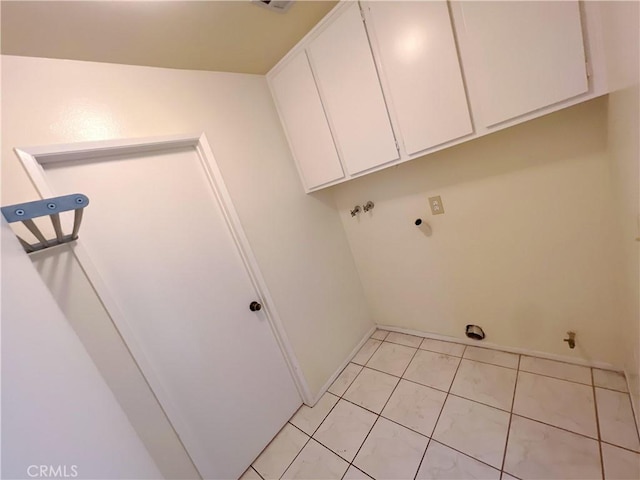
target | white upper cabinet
x=421, y=71
x=430, y=74
x=522, y=56
x=305, y=123
x=348, y=82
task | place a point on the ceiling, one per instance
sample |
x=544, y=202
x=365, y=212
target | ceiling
x=228, y=36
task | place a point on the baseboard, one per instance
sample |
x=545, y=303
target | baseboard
x=493, y=346
x=337, y=373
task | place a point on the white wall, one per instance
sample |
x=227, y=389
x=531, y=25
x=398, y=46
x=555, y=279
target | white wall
x=57, y=411
x=298, y=239
x=621, y=21
x=524, y=246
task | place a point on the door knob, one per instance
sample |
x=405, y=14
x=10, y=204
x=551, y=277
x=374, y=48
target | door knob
x=254, y=306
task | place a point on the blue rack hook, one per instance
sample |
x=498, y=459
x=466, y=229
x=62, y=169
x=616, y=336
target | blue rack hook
x=26, y=212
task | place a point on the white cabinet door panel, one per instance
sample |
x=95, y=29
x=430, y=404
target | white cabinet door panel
x=422, y=71
x=304, y=119
x=350, y=89
x=527, y=55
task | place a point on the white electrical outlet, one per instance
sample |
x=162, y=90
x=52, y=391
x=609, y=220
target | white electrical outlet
x=436, y=205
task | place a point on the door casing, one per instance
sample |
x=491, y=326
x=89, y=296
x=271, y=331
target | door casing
x=33, y=160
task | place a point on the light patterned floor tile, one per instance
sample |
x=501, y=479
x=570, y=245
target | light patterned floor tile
x=438, y=346
x=495, y=357
x=391, y=358
x=538, y=451
x=556, y=402
x=620, y=464
x=367, y=350
x=250, y=474
x=316, y=462
x=441, y=462
x=551, y=368
x=371, y=389
x=380, y=334
x=415, y=406
x=610, y=380
x=391, y=451
x=345, y=429
x=279, y=454
x=404, y=339
x=308, y=419
x=473, y=428
x=348, y=375
x=432, y=369
x=485, y=383
x=354, y=474
x=615, y=416
x=506, y=476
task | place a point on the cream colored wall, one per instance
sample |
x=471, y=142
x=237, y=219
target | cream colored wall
x=621, y=21
x=298, y=239
x=524, y=248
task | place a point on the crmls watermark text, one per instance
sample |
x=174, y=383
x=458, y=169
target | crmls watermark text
x=52, y=471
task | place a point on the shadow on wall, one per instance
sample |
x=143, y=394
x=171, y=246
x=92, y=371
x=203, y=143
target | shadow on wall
x=555, y=137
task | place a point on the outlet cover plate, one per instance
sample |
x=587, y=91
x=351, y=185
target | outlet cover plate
x=436, y=205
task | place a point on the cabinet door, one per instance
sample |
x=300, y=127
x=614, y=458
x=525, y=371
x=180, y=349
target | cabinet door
x=350, y=89
x=301, y=112
x=419, y=59
x=526, y=55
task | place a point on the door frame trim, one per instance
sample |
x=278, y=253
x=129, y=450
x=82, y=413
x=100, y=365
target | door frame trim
x=33, y=159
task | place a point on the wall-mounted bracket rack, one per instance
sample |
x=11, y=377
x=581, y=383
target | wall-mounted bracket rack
x=26, y=212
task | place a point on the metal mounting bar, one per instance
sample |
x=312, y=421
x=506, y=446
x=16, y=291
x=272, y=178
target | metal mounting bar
x=26, y=212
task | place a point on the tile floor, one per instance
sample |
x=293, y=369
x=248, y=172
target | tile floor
x=413, y=408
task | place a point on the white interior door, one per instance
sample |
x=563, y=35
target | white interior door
x=158, y=237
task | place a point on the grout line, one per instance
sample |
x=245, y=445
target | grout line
x=555, y=426
x=610, y=389
x=481, y=403
x=595, y=407
x=351, y=382
x=633, y=414
x=489, y=363
x=359, y=469
x=257, y=472
x=503, y=473
x=618, y=446
x=440, y=414
x=380, y=342
x=403, y=344
x=333, y=451
x=628, y=395
x=513, y=401
x=297, y=454
x=635, y=424
x=362, y=444
x=465, y=454
x=439, y=353
x=558, y=378
x=326, y=416
x=383, y=407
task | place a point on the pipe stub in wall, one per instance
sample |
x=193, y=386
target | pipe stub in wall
x=475, y=332
x=423, y=226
